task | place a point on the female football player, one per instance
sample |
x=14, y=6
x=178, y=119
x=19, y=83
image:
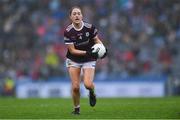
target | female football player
x=79, y=37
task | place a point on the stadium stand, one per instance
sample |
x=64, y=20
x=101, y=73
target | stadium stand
x=142, y=36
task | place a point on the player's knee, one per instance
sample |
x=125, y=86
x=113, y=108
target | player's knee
x=88, y=85
x=75, y=88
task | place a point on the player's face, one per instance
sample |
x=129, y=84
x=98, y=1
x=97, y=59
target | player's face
x=76, y=16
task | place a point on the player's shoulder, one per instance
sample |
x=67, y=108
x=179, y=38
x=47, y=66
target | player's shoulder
x=88, y=25
x=68, y=28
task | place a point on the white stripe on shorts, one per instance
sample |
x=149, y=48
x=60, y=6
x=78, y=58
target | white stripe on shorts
x=90, y=64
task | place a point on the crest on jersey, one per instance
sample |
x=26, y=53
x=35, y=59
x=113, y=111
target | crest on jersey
x=87, y=34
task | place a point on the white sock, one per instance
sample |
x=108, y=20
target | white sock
x=78, y=106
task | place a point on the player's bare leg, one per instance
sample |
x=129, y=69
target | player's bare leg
x=88, y=82
x=75, y=78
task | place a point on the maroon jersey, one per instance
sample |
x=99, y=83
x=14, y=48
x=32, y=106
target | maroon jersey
x=82, y=39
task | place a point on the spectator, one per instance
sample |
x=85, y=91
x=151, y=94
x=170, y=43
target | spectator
x=30, y=27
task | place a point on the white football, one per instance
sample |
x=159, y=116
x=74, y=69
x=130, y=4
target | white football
x=100, y=49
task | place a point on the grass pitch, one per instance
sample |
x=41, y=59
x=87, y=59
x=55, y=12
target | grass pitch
x=106, y=108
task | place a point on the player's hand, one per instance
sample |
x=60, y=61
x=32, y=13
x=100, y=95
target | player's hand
x=105, y=54
x=92, y=54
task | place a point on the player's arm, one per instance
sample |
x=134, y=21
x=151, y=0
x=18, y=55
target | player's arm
x=97, y=40
x=75, y=51
x=70, y=45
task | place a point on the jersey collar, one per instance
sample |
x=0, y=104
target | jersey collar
x=79, y=28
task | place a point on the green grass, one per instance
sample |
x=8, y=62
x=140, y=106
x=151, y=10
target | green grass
x=112, y=108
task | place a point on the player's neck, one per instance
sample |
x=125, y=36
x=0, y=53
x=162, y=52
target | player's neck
x=78, y=26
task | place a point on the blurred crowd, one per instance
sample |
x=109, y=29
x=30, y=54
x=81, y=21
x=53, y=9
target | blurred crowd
x=142, y=37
